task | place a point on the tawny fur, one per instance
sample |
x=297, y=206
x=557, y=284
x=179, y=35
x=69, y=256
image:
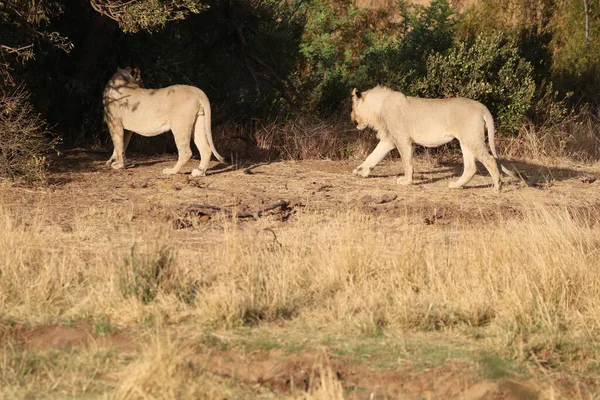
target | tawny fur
x=403, y=121
x=185, y=110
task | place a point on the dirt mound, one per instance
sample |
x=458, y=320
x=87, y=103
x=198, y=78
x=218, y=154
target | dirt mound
x=302, y=371
x=45, y=337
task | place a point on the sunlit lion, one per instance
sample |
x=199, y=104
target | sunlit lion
x=402, y=121
x=185, y=110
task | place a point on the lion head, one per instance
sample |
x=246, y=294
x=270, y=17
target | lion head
x=357, y=104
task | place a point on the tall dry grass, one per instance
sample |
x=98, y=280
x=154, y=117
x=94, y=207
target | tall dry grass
x=576, y=137
x=300, y=138
x=538, y=273
x=529, y=285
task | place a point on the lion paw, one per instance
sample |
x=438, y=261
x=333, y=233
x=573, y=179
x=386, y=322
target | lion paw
x=117, y=165
x=361, y=171
x=403, y=180
x=198, y=172
x=170, y=171
x=455, y=185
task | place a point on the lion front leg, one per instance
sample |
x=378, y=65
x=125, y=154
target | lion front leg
x=382, y=149
x=117, y=160
x=126, y=139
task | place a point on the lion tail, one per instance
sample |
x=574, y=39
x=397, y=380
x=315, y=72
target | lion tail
x=208, y=130
x=489, y=123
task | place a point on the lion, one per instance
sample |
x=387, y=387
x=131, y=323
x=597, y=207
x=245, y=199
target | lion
x=403, y=121
x=185, y=110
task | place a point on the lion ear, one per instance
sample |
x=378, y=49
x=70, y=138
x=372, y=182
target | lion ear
x=356, y=93
x=136, y=73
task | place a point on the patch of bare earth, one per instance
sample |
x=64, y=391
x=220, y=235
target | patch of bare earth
x=292, y=372
x=81, y=181
x=44, y=337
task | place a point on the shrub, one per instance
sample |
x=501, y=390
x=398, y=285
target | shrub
x=23, y=139
x=488, y=69
x=331, y=43
x=346, y=47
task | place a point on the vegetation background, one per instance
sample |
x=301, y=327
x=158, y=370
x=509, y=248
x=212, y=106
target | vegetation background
x=264, y=63
x=114, y=285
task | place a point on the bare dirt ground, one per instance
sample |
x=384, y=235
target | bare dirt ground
x=317, y=185
x=81, y=180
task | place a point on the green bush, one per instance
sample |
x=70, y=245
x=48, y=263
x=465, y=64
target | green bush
x=488, y=69
x=418, y=56
x=400, y=60
x=331, y=42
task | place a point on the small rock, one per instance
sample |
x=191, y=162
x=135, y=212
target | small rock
x=386, y=198
x=588, y=178
x=367, y=199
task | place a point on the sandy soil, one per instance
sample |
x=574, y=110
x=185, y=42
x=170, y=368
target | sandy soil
x=316, y=185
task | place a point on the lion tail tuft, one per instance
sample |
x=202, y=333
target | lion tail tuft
x=208, y=129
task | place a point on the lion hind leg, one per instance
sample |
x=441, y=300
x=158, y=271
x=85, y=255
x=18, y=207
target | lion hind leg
x=490, y=163
x=204, y=148
x=405, y=147
x=182, y=136
x=469, y=168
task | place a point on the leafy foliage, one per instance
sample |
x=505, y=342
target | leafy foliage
x=577, y=62
x=137, y=15
x=346, y=47
x=23, y=29
x=399, y=61
x=486, y=68
x=24, y=135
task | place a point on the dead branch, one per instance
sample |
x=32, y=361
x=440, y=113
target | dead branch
x=12, y=50
x=112, y=10
x=249, y=170
x=202, y=208
x=205, y=211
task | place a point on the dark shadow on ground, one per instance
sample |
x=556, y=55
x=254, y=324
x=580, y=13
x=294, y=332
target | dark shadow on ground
x=536, y=174
x=418, y=172
x=75, y=162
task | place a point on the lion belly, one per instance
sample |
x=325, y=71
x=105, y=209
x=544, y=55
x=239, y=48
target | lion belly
x=146, y=128
x=432, y=140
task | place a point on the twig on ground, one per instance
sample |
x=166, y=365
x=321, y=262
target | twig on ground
x=207, y=211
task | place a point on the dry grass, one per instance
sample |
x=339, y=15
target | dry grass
x=538, y=273
x=300, y=138
x=577, y=137
x=530, y=285
x=23, y=139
